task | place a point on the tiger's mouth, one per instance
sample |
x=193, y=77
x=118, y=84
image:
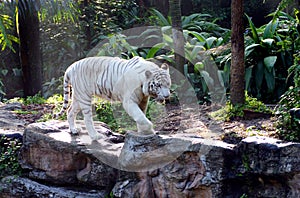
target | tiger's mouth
x=160, y=99
x=160, y=96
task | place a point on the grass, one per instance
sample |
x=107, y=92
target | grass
x=231, y=111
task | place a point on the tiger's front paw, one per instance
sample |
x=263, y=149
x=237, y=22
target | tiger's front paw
x=75, y=131
x=145, y=129
x=150, y=132
x=97, y=136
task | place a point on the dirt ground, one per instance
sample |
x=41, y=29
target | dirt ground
x=194, y=120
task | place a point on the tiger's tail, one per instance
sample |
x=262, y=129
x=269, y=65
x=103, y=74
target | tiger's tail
x=66, y=90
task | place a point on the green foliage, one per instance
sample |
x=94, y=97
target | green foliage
x=244, y=196
x=56, y=100
x=268, y=55
x=61, y=41
x=104, y=17
x=36, y=99
x=289, y=127
x=110, y=195
x=231, y=111
x=200, y=32
x=52, y=86
x=197, y=22
x=104, y=113
x=9, y=149
x=7, y=26
x=3, y=73
x=6, y=39
x=59, y=10
x=116, y=117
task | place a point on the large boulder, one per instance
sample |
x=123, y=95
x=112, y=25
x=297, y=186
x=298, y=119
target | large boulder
x=51, y=154
x=179, y=165
x=18, y=187
x=10, y=125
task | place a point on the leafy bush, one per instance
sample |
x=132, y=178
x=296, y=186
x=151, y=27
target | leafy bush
x=6, y=25
x=231, y=111
x=201, y=34
x=268, y=55
x=101, y=18
x=198, y=22
x=36, y=99
x=289, y=126
x=9, y=149
x=104, y=113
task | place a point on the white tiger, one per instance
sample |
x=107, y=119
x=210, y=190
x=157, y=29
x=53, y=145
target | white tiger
x=130, y=81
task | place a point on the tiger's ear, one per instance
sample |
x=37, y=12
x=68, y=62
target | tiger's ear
x=165, y=66
x=148, y=74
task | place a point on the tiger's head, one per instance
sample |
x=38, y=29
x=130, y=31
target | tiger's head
x=158, y=83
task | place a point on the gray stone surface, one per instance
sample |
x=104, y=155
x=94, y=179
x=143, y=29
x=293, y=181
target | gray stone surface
x=178, y=165
x=12, y=187
x=10, y=125
x=51, y=154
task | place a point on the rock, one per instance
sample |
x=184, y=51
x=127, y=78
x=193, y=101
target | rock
x=264, y=167
x=10, y=125
x=269, y=156
x=147, y=153
x=179, y=165
x=19, y=187
x=51, y=154
x=196, y=172
x=257, y=167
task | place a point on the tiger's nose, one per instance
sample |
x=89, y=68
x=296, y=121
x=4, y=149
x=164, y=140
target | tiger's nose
x=166, y=95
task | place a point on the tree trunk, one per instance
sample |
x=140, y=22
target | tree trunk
x=178, y=38
x=237, y=70
x=30, y=53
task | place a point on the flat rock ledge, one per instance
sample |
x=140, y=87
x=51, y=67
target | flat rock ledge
x=179, y=166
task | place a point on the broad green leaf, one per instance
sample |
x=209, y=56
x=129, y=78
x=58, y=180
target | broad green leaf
x=199, y=36
x=154, y=50
x=219, y=41
x=4, y=72
x=196, y=50
x=269, y=62
x=164, y=29
x=199, y=66
x=226, y=74
x=150, y=38
x=248, y=74
x=253, y=29
x=161, y=19
x=249, y=49
x=167, y=38
x=208, y=80
x=270, y=29
x=270, y=79
x=210, y=41
x=268, y=42
x=220, y=77
x=259, y=74
x=150, y=31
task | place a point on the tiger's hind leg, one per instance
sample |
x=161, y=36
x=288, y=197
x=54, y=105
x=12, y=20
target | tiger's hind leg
x=88, y=120
x=71, y=116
